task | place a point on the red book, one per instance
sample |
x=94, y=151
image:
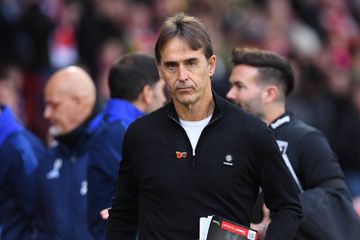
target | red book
x=223, y=229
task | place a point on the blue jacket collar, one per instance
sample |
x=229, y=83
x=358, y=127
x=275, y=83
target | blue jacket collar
x=8, y=123
x=124, y=111
x=80, y=135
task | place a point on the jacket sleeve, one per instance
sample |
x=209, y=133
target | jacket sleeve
x=317, y=161
x=319, y=165
x=20, y=171
x=122, y=222
x=280, y=193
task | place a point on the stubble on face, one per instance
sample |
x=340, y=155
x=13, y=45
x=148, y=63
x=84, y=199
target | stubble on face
x=246, y=90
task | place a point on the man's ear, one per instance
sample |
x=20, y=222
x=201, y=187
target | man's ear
x=161, y=74
x=147, y=94
x=212, y=65
x=81, y=102
x=271, y=93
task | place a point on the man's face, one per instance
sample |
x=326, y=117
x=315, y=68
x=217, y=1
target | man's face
x=61, y=109
x=158, y=98
x=186, y=72
x=246, y=90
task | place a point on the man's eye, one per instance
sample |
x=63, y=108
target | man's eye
x=171, y=67
x=238, y=85
x=191, y=64
x=53, y=105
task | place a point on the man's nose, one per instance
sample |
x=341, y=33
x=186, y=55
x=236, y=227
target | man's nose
x=47, y=112
x=230, y=94
x=183, y=75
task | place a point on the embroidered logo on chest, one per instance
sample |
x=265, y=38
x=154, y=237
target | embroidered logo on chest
x=228, y=160
x=84, y=188
x=55, y=171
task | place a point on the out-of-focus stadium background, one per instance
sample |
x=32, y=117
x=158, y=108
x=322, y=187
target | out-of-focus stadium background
x=320, y=37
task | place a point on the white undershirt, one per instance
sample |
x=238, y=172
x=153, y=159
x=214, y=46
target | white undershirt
x=193, y=130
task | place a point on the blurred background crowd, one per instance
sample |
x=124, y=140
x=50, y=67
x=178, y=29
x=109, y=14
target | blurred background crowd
x=320, y=37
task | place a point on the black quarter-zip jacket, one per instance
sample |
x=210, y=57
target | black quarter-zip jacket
x=162, y=194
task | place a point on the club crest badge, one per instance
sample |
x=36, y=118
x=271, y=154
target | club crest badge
x=228, y=160
x=55, y=171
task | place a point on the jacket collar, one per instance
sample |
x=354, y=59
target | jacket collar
x=118, y=109
x=82, y=133
x=281, y=120
x=8, y=123
x=218, y=109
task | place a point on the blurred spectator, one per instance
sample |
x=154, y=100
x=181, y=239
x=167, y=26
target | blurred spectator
x=62, y=42
x=100, y=21
x=110, y=50
x=311, y=101
x=70, y=98
x=163, y=9
x=36, y=28
x=10, y=16
x=20, y=151
x=140, y=31
x=11, y=84
x=348, y=138
x=135, y=89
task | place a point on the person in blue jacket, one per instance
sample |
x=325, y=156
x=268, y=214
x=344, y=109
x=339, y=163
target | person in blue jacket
x=135, y=89
x=19, y=154
x=70, y=107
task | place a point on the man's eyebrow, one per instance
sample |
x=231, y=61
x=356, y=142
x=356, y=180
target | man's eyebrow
x=170, y=63
x=185, y=61
x=191, y=59
x=237, y=82
x=52, y=102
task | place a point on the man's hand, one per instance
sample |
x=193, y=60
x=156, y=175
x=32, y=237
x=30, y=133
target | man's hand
x=263, y=225
x=356, y=204
x=105, y=213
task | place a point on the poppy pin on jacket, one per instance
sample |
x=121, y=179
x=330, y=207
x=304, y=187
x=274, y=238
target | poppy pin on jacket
x=181, y=154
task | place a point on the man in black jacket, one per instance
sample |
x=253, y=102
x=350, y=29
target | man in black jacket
x=192, y=158
x=260, y=82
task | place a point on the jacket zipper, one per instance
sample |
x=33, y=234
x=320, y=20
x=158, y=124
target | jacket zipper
x=193, y=155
